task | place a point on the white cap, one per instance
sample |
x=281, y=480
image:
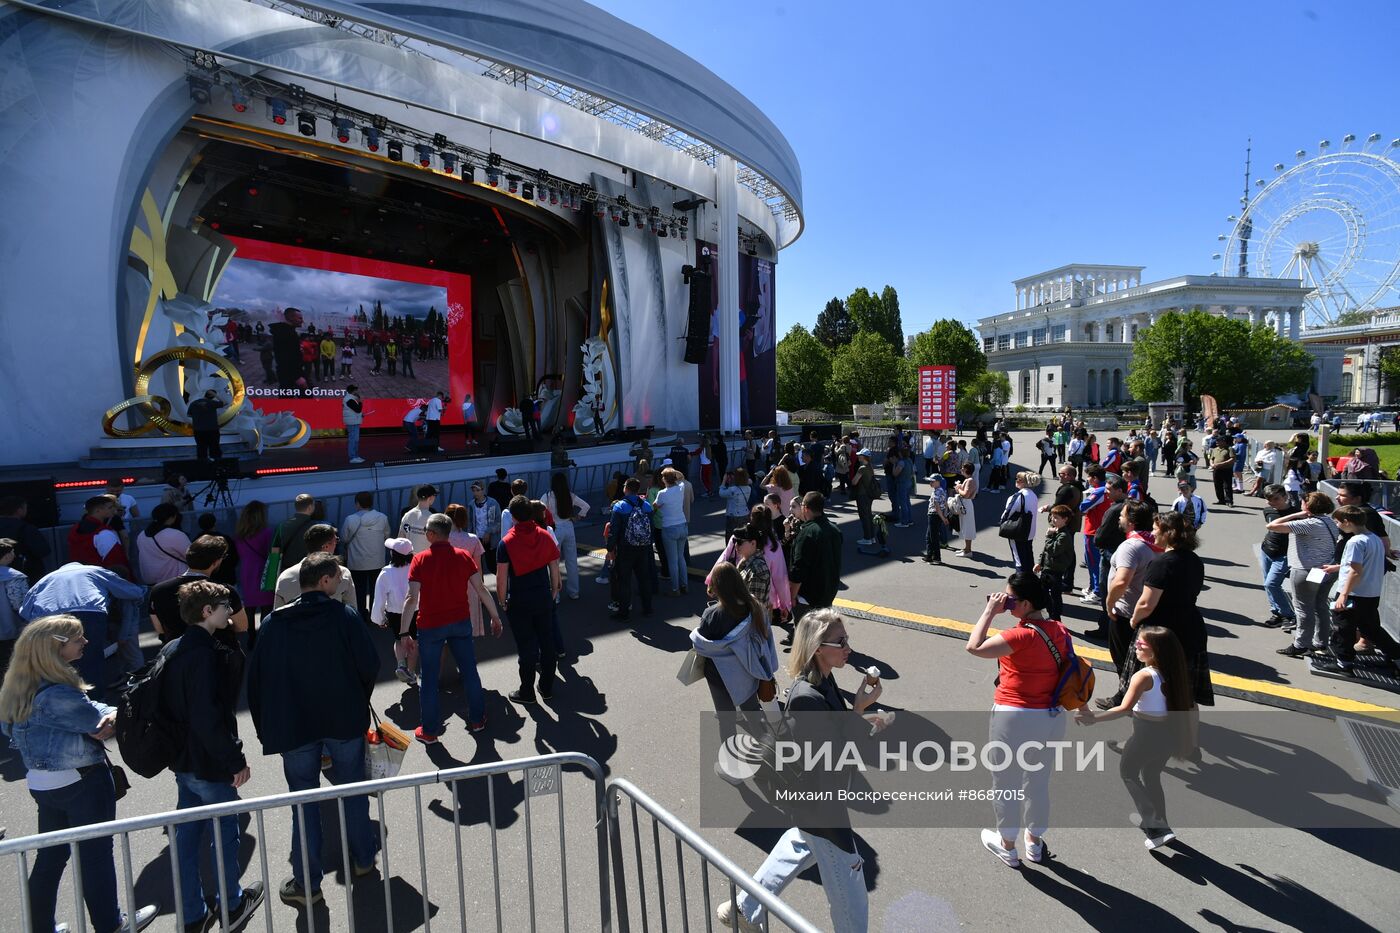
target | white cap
x=400, y=545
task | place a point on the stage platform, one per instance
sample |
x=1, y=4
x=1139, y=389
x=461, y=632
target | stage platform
x=322, y=467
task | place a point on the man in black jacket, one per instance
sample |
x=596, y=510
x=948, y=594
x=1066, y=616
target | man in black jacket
x=199, y=696
x=816, y=559
x=302, y=717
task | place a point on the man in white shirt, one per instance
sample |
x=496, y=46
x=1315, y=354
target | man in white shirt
x=410, y=426
x=414, y=524
x=318, y=538
x=434, y=420
x=364, y=535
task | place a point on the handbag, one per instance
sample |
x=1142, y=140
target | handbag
x=120, y=782
x=692, y=668
x=385, y=748
x=1017, y=526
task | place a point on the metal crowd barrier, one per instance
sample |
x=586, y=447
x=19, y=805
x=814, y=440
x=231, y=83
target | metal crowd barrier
x=541, y=777
x=681, y=837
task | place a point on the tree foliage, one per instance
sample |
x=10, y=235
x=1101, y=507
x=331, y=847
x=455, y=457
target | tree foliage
x=987, y=392
x=804, y=370
x=834, y=326
x=877, y=314
x=1229, y=359
x=948, y=343
x=1389, y=367
x=866, y=370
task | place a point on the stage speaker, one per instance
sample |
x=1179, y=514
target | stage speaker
x=39, y=495
x=202, y=470
x=508, y=446
x=697, y=333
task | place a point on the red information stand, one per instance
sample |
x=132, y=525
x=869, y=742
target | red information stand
x=937, y=398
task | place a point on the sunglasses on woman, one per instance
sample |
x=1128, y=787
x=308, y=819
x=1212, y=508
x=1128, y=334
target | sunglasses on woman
x=843, y=642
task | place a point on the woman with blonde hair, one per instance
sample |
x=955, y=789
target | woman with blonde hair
x=59, y=732
x=820, y=646
x=1018, y=519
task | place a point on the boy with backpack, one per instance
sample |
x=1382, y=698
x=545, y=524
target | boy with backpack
x=199, y=700
x=629, y=541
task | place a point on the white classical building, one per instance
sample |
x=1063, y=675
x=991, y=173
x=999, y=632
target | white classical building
x=1358, y=349
x=1069, y=341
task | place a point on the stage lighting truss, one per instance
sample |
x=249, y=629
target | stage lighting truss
x=536, y=185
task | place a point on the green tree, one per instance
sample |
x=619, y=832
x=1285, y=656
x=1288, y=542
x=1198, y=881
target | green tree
x=948, y=343
x=1388, y=366
x=834, y=327
x=892, y=321
x=1352, y=317
x=865, y=371
x=877, y=314
x=984, y=394
x=1229, y=359
x=804, y=369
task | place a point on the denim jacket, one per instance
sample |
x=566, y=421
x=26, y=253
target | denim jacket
x=54, y=737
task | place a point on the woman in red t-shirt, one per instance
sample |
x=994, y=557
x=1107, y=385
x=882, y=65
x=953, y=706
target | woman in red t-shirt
x=1025, y=709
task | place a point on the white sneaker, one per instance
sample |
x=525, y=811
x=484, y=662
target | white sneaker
x=865, y=541
x=991, y=841
x=1035, y=851
x=357, y=459
x=728, y=915
x=1156, y=842
x=405, y=675
x=1089, y=598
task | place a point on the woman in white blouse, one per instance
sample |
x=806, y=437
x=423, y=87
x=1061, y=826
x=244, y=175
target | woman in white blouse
x=566, y=508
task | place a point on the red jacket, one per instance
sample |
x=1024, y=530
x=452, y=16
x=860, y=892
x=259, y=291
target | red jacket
x=82, y=548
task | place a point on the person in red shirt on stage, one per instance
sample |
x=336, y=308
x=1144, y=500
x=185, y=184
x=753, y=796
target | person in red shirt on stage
x=438, y=582
x=527, y=584
x=93, y=541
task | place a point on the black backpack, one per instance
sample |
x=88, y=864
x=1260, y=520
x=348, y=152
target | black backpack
x=148, y=740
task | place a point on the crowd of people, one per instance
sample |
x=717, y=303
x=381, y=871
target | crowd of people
x=236, y=612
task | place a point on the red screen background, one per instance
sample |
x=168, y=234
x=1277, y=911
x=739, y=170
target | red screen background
x=323, y=413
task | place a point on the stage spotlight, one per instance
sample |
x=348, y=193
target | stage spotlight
x=675, y=231
x=394, y=150
x=541, y=192
x=240, y=100
x=493, y=177
x=553, y=195
x=527, y=190
x=344, y=129
x=468, y=173
x=637, y=219
x=616, y=215
x=513, y=184
x=306, y=123
x=277, y=109
x=371, y=137
x=449, y=162
x=600, y=210
x=425, y=154
x=199, y=89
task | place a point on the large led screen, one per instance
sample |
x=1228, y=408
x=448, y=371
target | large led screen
x=303, y=324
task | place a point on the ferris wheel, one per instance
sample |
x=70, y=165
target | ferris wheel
x=1331, y=220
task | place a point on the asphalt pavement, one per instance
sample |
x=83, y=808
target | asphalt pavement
x=619, y=702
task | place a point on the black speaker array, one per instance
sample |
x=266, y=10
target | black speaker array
x=697, y=335
x=197, y=470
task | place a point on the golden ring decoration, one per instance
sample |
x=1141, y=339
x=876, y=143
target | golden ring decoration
x=144, y=402
x=180, y=354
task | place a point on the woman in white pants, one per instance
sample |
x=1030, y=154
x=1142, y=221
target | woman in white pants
x=820, y=645
x=566, y=508
x=1025, y=708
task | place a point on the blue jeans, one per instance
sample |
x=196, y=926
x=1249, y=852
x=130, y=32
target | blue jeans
x=91, y=800
x=1275, y=572
x=457, y=638
x=91, y=663
x=673, y=538
x=352, y=440
x=1091, y=559
x=302, y=768
x=189, y=841
x=903, y=511
x=842, y=874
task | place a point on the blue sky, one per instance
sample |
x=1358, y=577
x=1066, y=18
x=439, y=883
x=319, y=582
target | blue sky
x=947, y=149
